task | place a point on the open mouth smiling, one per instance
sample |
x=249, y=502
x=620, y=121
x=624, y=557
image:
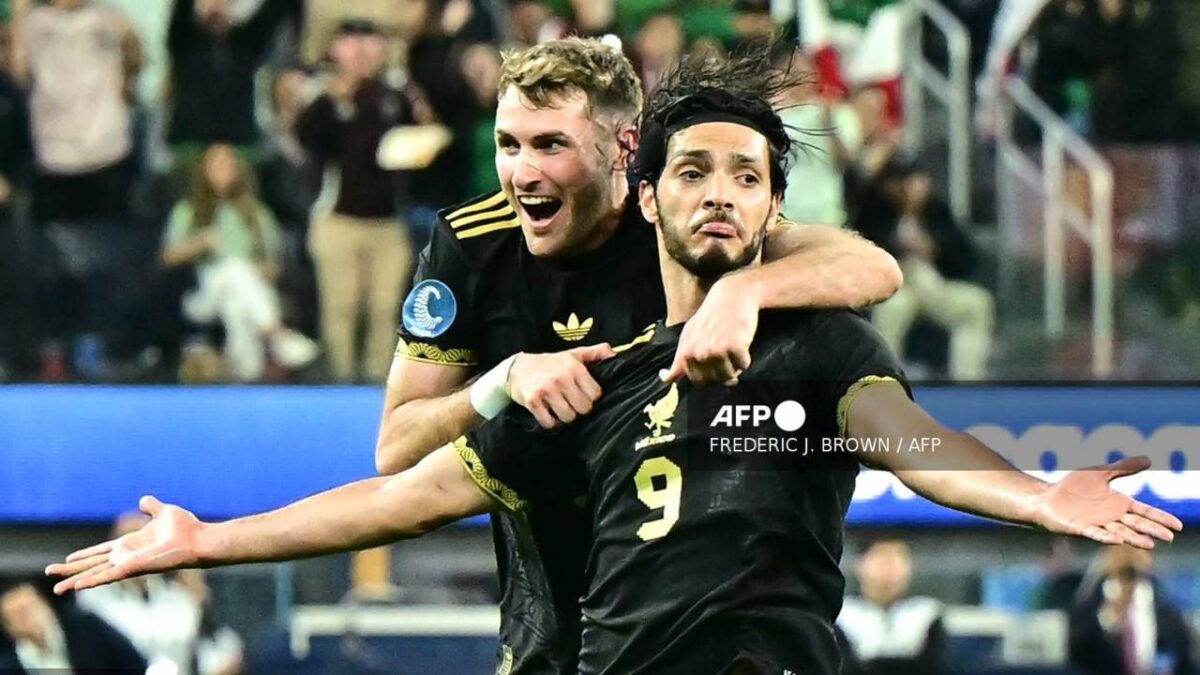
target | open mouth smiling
x=540, y=209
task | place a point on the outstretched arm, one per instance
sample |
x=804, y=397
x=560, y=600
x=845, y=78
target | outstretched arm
x=966, y=475
x=356, y=516
x=813, y=266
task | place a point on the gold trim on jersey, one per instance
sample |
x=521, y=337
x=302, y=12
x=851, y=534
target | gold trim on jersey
x=501, y=212
x=479, y=473
x=425, y=352
x=573, y=330
x=646, y=336
x=484, y=229
x=506, y=661
x=847, y=399
x=483, y=203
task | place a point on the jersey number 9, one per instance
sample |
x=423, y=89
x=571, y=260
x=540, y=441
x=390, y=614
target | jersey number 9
x=665, y=498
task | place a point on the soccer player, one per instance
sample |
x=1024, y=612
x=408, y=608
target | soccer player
x=529, y=284
x=698, y=564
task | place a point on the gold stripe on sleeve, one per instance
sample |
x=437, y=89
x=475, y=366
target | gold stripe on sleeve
x=487, y=203
x=484, y=229
x=847, y=399
x=497, y=489
x=501, y=212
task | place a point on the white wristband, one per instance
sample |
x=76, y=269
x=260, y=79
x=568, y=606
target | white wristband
x=489, y=394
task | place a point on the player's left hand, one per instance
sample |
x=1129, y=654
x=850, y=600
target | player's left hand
x=1083, y=504
x=714, y=347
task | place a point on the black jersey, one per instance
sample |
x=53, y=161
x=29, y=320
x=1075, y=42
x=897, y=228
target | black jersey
x=480, y=296
x=701, y=563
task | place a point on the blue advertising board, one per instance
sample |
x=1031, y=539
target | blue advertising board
x=86, y=453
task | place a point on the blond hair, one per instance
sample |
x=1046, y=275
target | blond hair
x=561, y=67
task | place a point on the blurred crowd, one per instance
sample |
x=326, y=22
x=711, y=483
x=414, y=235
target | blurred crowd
x=1120, y=617
x=1118, y=613
x=164, y=625
x=233, y=190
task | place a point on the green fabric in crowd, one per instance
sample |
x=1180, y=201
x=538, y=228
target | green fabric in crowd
x=712, y=20
x=856, y=11
x=483, y=178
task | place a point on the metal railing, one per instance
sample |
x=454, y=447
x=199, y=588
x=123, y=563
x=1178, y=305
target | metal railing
x=1094, y=226
x=952, y=89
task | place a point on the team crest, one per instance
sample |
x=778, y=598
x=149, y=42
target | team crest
x=573, y=330
x=430, y=309
x=661, y=414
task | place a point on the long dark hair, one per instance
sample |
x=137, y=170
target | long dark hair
x=242, y=195
x=744, y=86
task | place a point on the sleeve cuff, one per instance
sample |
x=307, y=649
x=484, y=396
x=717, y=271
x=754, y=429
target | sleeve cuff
x=479, y=473
x=852, y=392
x=426, y=352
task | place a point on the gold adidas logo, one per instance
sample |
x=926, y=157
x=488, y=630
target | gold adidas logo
x=573, y=330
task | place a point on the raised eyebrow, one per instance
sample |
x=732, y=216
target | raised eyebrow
x=691, y=155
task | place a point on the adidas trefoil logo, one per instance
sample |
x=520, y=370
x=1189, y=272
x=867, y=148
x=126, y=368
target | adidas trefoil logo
x=573, y=331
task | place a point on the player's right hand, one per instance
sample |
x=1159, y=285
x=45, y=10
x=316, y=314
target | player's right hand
x=557, y=387
x=167, y=542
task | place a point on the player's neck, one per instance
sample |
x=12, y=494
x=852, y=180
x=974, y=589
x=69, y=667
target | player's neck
x=684, y=290
x=609, y=223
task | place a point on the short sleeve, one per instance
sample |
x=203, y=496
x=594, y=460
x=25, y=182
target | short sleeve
x=857, y=358
x=438, y=323
x=519, y=463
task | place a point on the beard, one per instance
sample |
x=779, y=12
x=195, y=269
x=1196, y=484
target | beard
x=713, y=264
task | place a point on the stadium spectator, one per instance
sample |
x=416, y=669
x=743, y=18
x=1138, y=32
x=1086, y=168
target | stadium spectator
x=156, y=613
x=231, y=239
x=1140, y=45
x=1123, y=625
x=481, y=70
x=288, y=180
x=831, y=136
x=856, y=43
x=1098, y=62
x=528, y=23
x=362, y=253
x=890, y=633
x=592, y=17
x=79, y=59
x=43, y=640
x=435, y=73
x=323, y=17
x=657, y=47
x=902, y=215
x=1060, y=579
x=213, y=65
x=219, y=649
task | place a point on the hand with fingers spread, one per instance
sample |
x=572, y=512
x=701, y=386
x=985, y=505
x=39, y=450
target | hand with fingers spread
x=714, y=347
x=167, y=542
x=557, y=387
x=1083, y=504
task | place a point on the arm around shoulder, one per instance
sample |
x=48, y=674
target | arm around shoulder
x=822, y=266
